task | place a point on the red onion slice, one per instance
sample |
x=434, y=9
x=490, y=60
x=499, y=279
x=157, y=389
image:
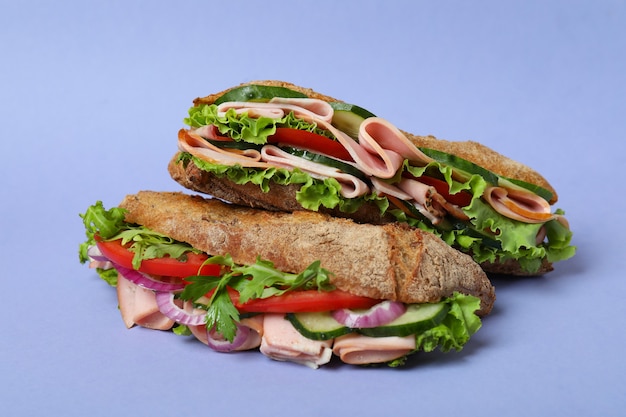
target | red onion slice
x=94, y=253
x=218, y=343
x=146, y=281
x=378, y=315
x=97, y=259
x=165, y=302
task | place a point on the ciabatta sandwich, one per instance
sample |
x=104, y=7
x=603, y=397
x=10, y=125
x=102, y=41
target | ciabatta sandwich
x=278, y=146
x=299, y=287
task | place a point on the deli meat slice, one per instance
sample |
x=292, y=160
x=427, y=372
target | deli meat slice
x=379, y=135
x=138, y=306
x=518, y=204
x=278, y=107
x=282, y=342
x=357, y=349
x=200, y=148
x=351, y=186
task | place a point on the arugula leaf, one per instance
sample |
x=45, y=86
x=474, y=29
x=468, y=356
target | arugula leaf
x=259, y=280
x=148, y=244
x=145, y=243
x=263, y=280
x=106, y=223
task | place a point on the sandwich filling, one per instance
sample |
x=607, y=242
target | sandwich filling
x=296, y=316
x=306, y=141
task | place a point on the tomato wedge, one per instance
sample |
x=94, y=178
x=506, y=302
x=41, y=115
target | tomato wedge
x=169, y=267
x=302, y=301
x=311, y=141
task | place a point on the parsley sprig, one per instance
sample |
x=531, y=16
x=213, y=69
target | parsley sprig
x=259, y=280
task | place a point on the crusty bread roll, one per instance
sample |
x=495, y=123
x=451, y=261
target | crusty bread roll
x=391, y=261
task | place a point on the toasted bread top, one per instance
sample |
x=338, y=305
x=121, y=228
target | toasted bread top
x=390, y=261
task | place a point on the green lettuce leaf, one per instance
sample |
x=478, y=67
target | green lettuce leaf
x=455, y=329
x=143, y=242
x=312, y=194
x=510, y=239
x=240, y=127
x=98, y=220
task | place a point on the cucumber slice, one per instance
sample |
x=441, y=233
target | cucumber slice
x=331, y=162
x=348, y=117
x=537, y=189
x=490, y=177
x=416, y=319
x=461, y=164
x=262, y=93
x=317, y=326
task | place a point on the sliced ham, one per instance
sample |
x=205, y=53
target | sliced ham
x=381, y=163
x=376, y=134
x=200, y=148
x=411, y=194
x=518, y=204
x=319, y=109
x=282, y=342
x=254, y=110
x=351, y=186
x=358, y=349
x=210, y=132
x=138, y=306
x=423, y=194
x=369, y=153
x=279, y=106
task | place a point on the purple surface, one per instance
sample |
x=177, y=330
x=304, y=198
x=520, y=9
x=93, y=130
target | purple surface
x=93, y=93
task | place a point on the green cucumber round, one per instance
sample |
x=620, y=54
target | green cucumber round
x=317, y=326
x=325, y=160
x=348, y=118
x=416, y=319
x=259, y=93
x=491, y=177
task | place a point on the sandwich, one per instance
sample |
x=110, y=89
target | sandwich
x=277, y=146
x=302, y=287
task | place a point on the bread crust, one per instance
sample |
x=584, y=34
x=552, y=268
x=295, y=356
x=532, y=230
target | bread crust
x=390, y=261
x=280, y=198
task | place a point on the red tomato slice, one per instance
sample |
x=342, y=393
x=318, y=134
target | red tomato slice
x=303, y=301
x=311, y=141
x=169, y=267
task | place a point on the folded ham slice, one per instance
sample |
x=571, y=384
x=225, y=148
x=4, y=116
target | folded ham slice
x=358, y=349
x=139, y=307
x=282, y=342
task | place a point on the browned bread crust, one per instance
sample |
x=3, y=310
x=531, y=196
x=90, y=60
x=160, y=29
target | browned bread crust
x=472, y=151
x=280, y=198
x=391, y=261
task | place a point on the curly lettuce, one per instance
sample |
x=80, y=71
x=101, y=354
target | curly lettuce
x=240, y=127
